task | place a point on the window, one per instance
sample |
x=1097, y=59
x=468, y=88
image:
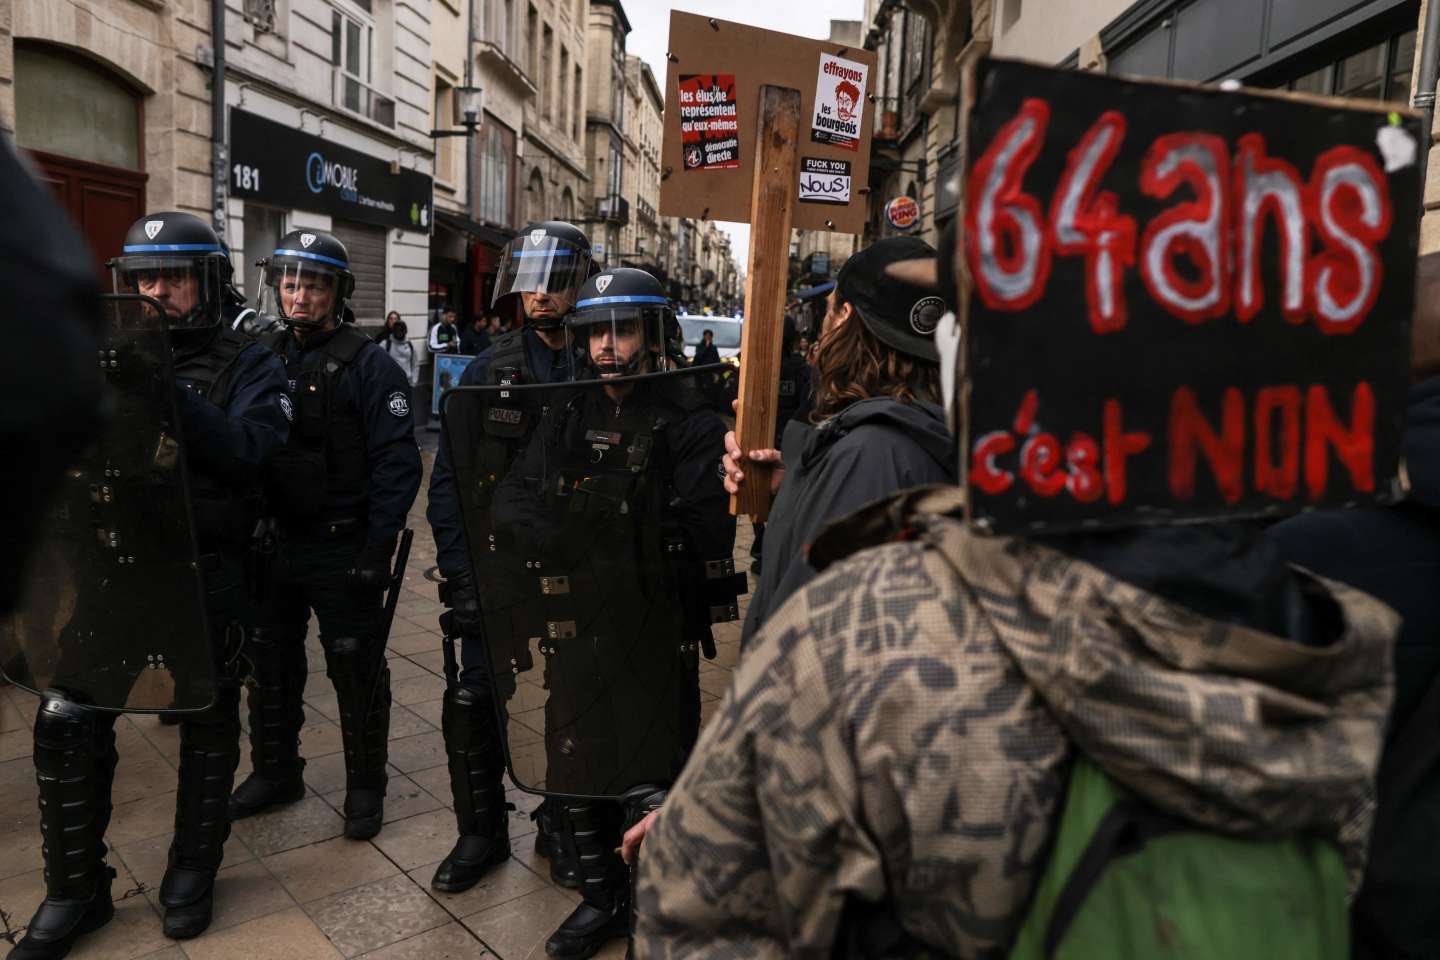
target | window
x=351, y=41
x=616, y=167
x=563, y=109
x=1378, y=72
x=497, y=158
x=546, y=80
x=532, y=44
x=617, y=61
x=579, y=116
x=441, y=120
x=67, y=105
x=917, y=43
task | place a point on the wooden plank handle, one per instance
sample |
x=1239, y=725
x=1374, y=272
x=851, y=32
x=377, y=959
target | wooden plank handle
x=772, y=206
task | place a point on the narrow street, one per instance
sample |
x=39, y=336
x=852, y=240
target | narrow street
x=291, y=885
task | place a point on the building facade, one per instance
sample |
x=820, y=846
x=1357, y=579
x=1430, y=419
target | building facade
x=112, y=105
x=640, y=239
x=608, y=208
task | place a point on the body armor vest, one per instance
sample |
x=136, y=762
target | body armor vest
x=325, y=458
x=223, y=515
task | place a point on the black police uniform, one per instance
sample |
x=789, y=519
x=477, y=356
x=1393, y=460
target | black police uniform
x=232, y=417
x=649, y=461
x=340, y=490
x=472, y=739
x=793, y=403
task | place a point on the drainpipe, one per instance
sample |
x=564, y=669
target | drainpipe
x=219, y=153
x=471, y=142
x=1429, y=76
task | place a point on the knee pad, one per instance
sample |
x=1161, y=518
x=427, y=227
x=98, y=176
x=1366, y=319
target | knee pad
x=62, y=724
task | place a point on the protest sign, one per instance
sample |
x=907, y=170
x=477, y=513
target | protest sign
x=1183, y=302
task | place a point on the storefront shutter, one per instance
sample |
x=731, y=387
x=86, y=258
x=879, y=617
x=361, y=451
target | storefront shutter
x=367, y=261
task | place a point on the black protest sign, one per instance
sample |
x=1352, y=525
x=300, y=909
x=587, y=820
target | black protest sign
x=824, y=181
x=1184, y=302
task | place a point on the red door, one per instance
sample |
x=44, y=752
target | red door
x=103, y=201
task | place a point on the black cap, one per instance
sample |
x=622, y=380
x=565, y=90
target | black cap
x=900, y=315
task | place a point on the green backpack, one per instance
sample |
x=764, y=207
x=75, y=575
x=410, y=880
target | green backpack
x=1127, y=882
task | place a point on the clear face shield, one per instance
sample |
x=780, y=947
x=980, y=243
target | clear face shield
x=189, y=288
x=301, y=293
x=617, y=341
x=546, y=272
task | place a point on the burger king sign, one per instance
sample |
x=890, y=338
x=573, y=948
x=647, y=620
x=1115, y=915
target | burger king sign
x=902, y=212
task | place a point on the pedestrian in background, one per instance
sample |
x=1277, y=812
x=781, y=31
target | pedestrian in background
x=880, y=427
x=444, y=336
x=394, y=340
x=475, y=339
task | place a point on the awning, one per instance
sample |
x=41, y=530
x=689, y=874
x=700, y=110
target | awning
x=491, y=235
x=810, y=293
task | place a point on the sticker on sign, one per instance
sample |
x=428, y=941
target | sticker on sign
x=824, y=181
x=709, y=122
x=839, y=102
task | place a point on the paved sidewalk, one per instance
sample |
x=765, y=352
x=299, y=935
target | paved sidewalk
x=291, y=885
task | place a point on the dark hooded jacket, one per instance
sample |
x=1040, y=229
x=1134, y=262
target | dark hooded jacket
x=871, y=449
x=1391, y=553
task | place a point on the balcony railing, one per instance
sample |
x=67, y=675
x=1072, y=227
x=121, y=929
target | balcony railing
x=613, y=208
x=353, y=94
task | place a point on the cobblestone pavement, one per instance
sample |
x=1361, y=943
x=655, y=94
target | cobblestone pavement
x=291, y=886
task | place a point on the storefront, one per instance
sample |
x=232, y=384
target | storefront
x=380, y=210
x=1346, y=48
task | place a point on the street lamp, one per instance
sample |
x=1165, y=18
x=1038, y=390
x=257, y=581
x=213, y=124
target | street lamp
x=468, y=104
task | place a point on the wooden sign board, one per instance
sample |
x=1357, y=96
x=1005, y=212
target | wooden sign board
x=1183, y=302
x=712, y=95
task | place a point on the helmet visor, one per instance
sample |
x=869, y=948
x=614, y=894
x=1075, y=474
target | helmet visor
x=303, y=293
x=617, y=341
x=188, y=287
x=535, y=263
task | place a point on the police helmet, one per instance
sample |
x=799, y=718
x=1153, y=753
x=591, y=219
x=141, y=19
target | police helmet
x=177, y=259
x=307, y=280
x=551, y=257
x=618, y=325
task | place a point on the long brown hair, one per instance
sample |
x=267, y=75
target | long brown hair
x=852, y=364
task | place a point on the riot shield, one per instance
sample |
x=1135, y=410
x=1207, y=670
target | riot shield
x=112, y=610
x=581, y=546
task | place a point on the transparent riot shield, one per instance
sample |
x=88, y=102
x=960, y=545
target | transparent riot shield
x=112, y=611
x=585, y=569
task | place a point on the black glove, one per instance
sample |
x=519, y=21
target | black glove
x=372, y=567
x=459, y=595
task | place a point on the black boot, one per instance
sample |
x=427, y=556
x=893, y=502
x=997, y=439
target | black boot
x=74, y=766
x=604, y=913
x=477, y=764
x=276, y=686
x=552, y=844
x=209, y=753
x=364, y=699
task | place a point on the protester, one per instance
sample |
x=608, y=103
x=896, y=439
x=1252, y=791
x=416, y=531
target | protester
x=793, y=403
x=383, y=334
x=475, y=339
x=401, y=350
x=444, y=336
x=877, y=406
x=890, y=762
x=1393, y=553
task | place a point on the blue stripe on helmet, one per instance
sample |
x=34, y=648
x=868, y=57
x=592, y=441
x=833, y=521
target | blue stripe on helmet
x=601, y=301
x=312, y=256
x=172, y=248
x=556, y=252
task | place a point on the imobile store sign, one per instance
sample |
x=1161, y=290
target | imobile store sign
x=275, y=164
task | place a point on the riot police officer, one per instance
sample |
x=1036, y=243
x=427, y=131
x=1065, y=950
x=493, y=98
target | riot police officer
x=230, y=400
x=340, y=490
x=543, y=266
x=619, y=497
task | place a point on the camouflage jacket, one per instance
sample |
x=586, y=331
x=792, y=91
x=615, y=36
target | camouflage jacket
x=901, y=731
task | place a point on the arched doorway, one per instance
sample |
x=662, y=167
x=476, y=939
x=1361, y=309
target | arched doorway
x=567, y=205
x=535, y=210
x=82, y=126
